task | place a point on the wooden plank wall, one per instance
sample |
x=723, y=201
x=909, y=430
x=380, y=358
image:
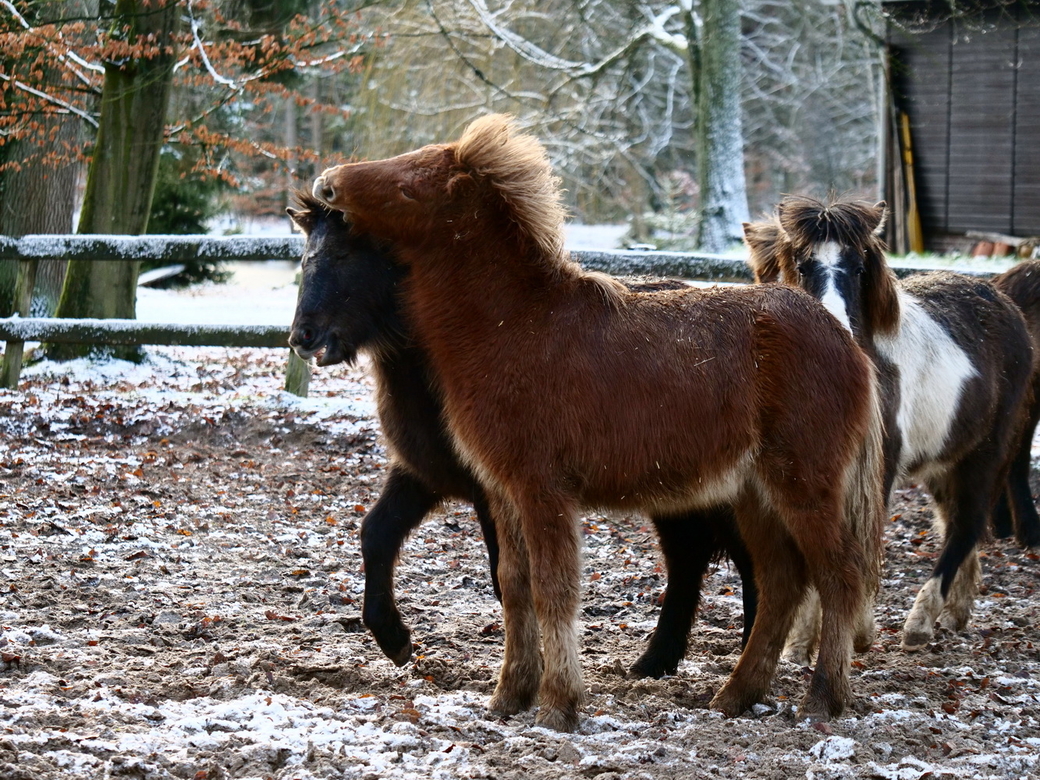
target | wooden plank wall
x=972, y=90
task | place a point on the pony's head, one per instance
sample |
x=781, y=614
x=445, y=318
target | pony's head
x=493, y=181
x=348, y=287
x=834, y=252
x=763, y=243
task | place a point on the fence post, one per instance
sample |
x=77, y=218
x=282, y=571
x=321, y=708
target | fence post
x=11, y=369
x=297, y=375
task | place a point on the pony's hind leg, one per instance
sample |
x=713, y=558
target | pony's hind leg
x=805, y=633
x=689, y=543
x=521, y=671
x=780, y=579
x=404, y=502
x=964, y=500
x=960, y=599
x=1017, y=498
x=832, y=560
x=837, y=571
x=553, y=538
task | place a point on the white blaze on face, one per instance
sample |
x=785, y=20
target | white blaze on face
x=828, y=255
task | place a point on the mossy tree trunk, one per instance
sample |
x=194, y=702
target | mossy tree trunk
x=123, y=168
x=717, y=72
x=36, y=197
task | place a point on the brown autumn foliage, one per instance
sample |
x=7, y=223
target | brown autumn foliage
x=231, y=91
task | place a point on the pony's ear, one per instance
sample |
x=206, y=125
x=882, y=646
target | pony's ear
x=460, y=184
x=878, y=218
x=302, y=219
x=761, y=239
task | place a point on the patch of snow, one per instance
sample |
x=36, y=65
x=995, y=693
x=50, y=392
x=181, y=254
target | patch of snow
x=833, y=749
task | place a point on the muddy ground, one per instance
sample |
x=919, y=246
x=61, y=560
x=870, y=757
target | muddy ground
x=180, y=598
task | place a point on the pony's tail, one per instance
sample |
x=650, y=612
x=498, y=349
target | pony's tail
x=866, y=509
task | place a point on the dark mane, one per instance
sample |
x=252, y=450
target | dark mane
x=308, y=208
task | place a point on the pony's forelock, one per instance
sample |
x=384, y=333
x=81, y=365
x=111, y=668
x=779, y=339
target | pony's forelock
x=807, y=222
x=308, y=205
x=517, y=166
x=307, y=211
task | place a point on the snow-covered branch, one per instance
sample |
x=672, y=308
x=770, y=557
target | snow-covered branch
x=49, y=98
x=199, y=46
x=66, y=56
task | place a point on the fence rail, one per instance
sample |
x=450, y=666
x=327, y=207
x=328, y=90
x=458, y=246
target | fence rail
x=29, y=250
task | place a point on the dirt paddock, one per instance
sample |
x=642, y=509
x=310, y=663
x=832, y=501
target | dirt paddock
x=181, y=599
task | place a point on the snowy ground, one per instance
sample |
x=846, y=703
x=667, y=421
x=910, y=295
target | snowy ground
x=181, y=586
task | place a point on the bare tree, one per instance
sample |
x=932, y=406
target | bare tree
x=621, y=93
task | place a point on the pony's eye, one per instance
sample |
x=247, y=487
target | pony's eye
x=805, y=266
x=406, y=193
x=860, y=270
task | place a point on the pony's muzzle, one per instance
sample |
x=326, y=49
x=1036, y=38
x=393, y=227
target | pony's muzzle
x=306, y=341
x=322, y=190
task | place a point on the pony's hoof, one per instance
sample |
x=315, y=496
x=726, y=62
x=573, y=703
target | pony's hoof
x=504, y=703
x=820, y=708
x=954, y=621
x=556, y=719
x=798, y=656
x=1029, y=537
x=916, y=642
x=395, y=642
x=647, y=666
x=862, y=644
x=917, y=636
x=865, y=635
x=732, y=703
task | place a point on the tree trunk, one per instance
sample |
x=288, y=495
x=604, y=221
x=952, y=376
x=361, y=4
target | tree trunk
x=122, y=173
x=720, y=139
x=39, y=198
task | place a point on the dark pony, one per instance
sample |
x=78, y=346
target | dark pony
x=563, y=389
x=1016, y=513
x=954, y=362
x=349, y=301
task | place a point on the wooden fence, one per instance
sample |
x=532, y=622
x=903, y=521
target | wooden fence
x=178, y=249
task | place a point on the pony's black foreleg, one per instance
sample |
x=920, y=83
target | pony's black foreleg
x=689, y=542
x=402, y=506
x=490, y=531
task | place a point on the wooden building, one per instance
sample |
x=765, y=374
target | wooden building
x=968, y=83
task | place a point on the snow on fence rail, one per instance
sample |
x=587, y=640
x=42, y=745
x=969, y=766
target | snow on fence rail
x=179, y=249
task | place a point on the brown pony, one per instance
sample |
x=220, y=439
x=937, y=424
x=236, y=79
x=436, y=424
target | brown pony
x=554, y=381
x=954, y=362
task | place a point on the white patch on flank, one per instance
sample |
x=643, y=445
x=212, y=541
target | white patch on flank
x=932, y=373
x=828, y=255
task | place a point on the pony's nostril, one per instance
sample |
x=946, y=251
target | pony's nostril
x=303, y=338
x=327, y=193
x=318, y=188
